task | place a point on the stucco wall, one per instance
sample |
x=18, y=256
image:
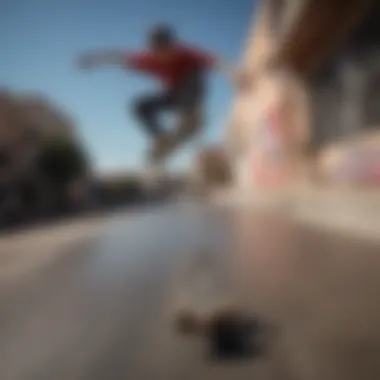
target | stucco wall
x=269, y=90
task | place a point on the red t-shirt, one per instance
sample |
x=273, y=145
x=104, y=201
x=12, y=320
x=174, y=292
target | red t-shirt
x=174, y=68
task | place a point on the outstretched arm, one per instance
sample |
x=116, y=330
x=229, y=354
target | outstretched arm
x=106, y=58
x=141, y=61
x=236, y=76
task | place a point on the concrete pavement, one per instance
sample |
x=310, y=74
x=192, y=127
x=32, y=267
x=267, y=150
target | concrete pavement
x=347, y=211
x=100, y=307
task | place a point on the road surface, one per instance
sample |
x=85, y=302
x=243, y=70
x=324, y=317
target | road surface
x=91, y=300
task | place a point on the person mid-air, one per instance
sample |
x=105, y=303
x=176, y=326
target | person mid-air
x=182, y=69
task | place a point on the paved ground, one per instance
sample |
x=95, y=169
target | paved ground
x=354, y=211
x=92, y=300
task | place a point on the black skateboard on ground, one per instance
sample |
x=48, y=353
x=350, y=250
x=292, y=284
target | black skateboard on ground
x=203, y=308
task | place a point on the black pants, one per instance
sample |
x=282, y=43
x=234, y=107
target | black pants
x=185, y=99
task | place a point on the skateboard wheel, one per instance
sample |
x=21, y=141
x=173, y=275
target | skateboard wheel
x=230, y=336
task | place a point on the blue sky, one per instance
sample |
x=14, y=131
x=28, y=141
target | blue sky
x=39, y=40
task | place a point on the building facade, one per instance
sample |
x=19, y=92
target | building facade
x=312, y=69
x=264, y=109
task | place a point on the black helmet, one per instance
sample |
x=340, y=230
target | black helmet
x=161, y=36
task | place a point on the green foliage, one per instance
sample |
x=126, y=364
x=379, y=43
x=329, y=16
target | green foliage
x=62, y=160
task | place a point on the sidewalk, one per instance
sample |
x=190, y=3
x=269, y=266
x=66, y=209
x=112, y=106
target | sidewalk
x=337, y=209
x=25, y=251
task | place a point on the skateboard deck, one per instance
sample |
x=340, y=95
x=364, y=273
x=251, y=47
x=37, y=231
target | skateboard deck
x=205, y=306
x=164, y=150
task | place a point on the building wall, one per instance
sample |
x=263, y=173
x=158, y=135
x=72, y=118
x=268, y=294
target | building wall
x=269, y=90
x=345, y=91
x=339, y=99
x=259, y=47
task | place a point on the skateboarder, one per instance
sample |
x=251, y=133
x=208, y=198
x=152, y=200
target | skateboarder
x=182, y=69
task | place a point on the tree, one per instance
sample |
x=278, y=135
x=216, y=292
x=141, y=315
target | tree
x=62, y=161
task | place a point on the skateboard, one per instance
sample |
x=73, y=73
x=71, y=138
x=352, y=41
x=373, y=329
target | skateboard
x=204, y=307
x=163, y=149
